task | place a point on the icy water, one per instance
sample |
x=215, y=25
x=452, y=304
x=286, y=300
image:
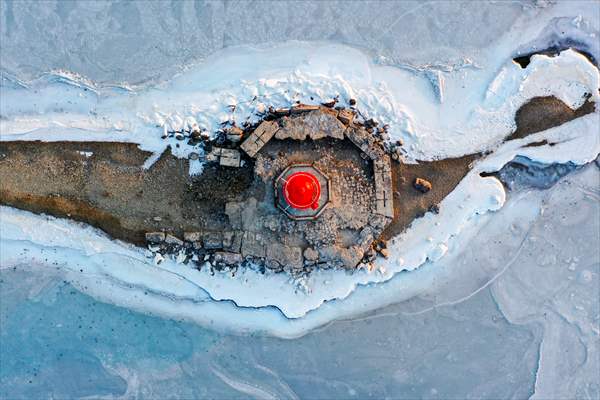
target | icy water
x=59, y=343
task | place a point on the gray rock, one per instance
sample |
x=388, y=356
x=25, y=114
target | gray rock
x=191, y=236
x=249, y=213
x=365, y=238
x=287, y=256
x=170, y=239
x=228, y=258
x=341, y=257
x=214, y=155
x=232, y=241
x=155, y=237
x=234, y=134
x=351, y=257
x=252, y=245
x=261, y=135
x=229, y=158
x=346, y=116
x=234, y=213
x=311, y=254
x=212, y=240
x=315, y=124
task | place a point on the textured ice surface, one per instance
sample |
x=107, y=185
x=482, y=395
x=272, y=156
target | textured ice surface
x=515, y=313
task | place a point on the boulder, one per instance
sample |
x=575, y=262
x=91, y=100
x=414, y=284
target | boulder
x=315, y=124
x=252, y=245
x=422, y=185
x=288, y=256
x=311, y=254
x=191, y=236
x=228, y=258
x=155, y=237
x=212, y=240
x=234, y=134
x=170, y=239
x=229, y=158
x=346, y=116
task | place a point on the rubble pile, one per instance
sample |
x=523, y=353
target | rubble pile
x=353, y=155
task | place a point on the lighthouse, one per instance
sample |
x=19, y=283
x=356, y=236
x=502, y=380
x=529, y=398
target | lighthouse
x=302, y=191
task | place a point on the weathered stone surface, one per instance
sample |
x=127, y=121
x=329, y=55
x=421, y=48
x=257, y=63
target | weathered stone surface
x=261, y=135
x=250, y=215
x=346, y=116
x=350, y=257
x=383, y=186
x=341, y=257
x=268, y=238
x=230, y=158
x=252, y=245
x=234, y=134
x=315, y=124
x=272, y=223
x=287, y=256
x=378, y=221
x=234, y=213
x=212, y=240
x=311, y=254
x=214, y=155
x=365, y=141
x=331, y=111
x=359, y=137
x=227, y=239
x=191, y=236
x=232, y=241
x=300, y=108
x=228, y=257
x=365, y=238
x=170, y=239
x=331, y=255
x=422, y=185
x=155, y=237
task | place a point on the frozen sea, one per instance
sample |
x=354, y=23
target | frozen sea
x=515, y=315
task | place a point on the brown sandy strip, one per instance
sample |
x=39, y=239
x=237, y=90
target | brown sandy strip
x=110, y=190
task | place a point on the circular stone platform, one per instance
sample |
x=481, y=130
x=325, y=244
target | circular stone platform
x=256, y=224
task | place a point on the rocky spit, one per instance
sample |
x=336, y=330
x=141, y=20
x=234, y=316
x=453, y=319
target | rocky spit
x=355, y=155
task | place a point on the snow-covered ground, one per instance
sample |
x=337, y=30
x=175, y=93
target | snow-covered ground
x=535, y=254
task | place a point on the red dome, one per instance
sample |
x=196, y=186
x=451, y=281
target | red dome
x=302, y=190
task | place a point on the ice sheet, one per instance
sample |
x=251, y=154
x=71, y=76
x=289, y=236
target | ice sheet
x=469, y=108
x=510, y=311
